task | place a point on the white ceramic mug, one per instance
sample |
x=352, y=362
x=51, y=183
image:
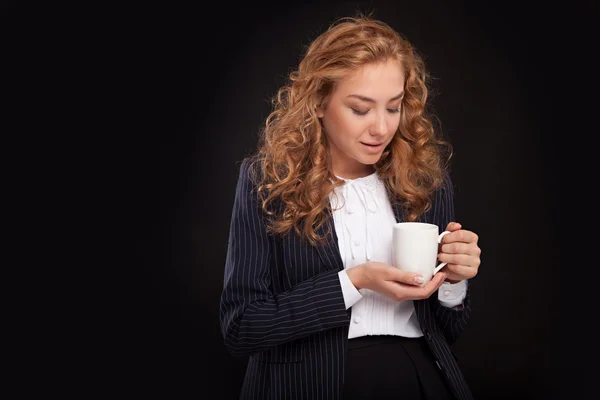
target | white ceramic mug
x=415, y=248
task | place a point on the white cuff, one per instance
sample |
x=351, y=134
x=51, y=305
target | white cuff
x=452, y=294
x=351, y=294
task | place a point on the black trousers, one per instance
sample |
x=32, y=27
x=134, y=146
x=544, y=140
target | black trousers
x=392, y=367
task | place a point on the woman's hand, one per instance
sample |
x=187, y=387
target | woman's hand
x=392, y=282
x=460, y=250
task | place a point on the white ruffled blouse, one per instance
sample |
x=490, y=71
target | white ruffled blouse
x=363, y=219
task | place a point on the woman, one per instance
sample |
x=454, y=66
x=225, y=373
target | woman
x=309, y=293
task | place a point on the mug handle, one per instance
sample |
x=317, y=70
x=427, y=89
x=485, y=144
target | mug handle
x=441, y=235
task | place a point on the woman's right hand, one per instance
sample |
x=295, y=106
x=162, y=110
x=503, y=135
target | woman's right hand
x=392, y=282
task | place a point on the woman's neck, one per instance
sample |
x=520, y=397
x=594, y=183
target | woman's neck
x=354, y=172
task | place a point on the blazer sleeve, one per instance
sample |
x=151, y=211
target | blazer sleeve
x=253, y=318
x=451, y=320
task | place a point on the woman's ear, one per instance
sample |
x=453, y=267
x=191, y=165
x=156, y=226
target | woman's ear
x=319, y=112
x=321, y=107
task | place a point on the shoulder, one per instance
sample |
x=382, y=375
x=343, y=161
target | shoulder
x=250, y=170
x=443, y=195
x=249, y=178
x=446, y=184
x=444, y=188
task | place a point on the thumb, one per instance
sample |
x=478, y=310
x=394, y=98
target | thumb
x=453, y=226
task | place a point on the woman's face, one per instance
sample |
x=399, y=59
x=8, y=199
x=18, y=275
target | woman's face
x=362, y=116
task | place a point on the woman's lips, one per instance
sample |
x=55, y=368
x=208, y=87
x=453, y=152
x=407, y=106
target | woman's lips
x=373, y=147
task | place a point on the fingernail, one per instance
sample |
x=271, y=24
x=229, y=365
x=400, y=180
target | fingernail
x=419, y=279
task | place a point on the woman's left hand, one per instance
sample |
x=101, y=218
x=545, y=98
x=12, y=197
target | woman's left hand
x=460, y=250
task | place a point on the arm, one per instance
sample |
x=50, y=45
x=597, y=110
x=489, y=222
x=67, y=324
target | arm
x=452, y=320
x=254, y=318
x=452, y=315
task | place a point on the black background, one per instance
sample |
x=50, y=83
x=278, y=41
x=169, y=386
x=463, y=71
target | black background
x=172, y=98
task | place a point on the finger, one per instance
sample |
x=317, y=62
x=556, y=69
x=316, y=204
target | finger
x=465, y=272
x=461, y=248
x=435, y=283
x=459, y=259
x=453, y=226
x=425, y=291
x=450, y=275
x=410, y=278
x=461, y=235
x=439, y=278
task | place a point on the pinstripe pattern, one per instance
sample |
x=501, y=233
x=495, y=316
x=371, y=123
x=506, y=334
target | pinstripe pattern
x=282, y=305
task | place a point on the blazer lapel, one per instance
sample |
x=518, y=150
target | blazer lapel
x=401, y=217
x=398, y=213
x=329, y=250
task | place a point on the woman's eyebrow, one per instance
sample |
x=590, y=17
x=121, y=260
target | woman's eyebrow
x=370, y=100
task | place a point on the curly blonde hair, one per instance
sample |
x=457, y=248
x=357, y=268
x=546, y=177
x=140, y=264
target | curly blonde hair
x=295, y=178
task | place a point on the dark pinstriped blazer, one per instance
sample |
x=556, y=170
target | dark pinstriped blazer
x=282, y=305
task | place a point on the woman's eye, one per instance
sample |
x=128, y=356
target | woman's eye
x=390, y=110
x=357, y=112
